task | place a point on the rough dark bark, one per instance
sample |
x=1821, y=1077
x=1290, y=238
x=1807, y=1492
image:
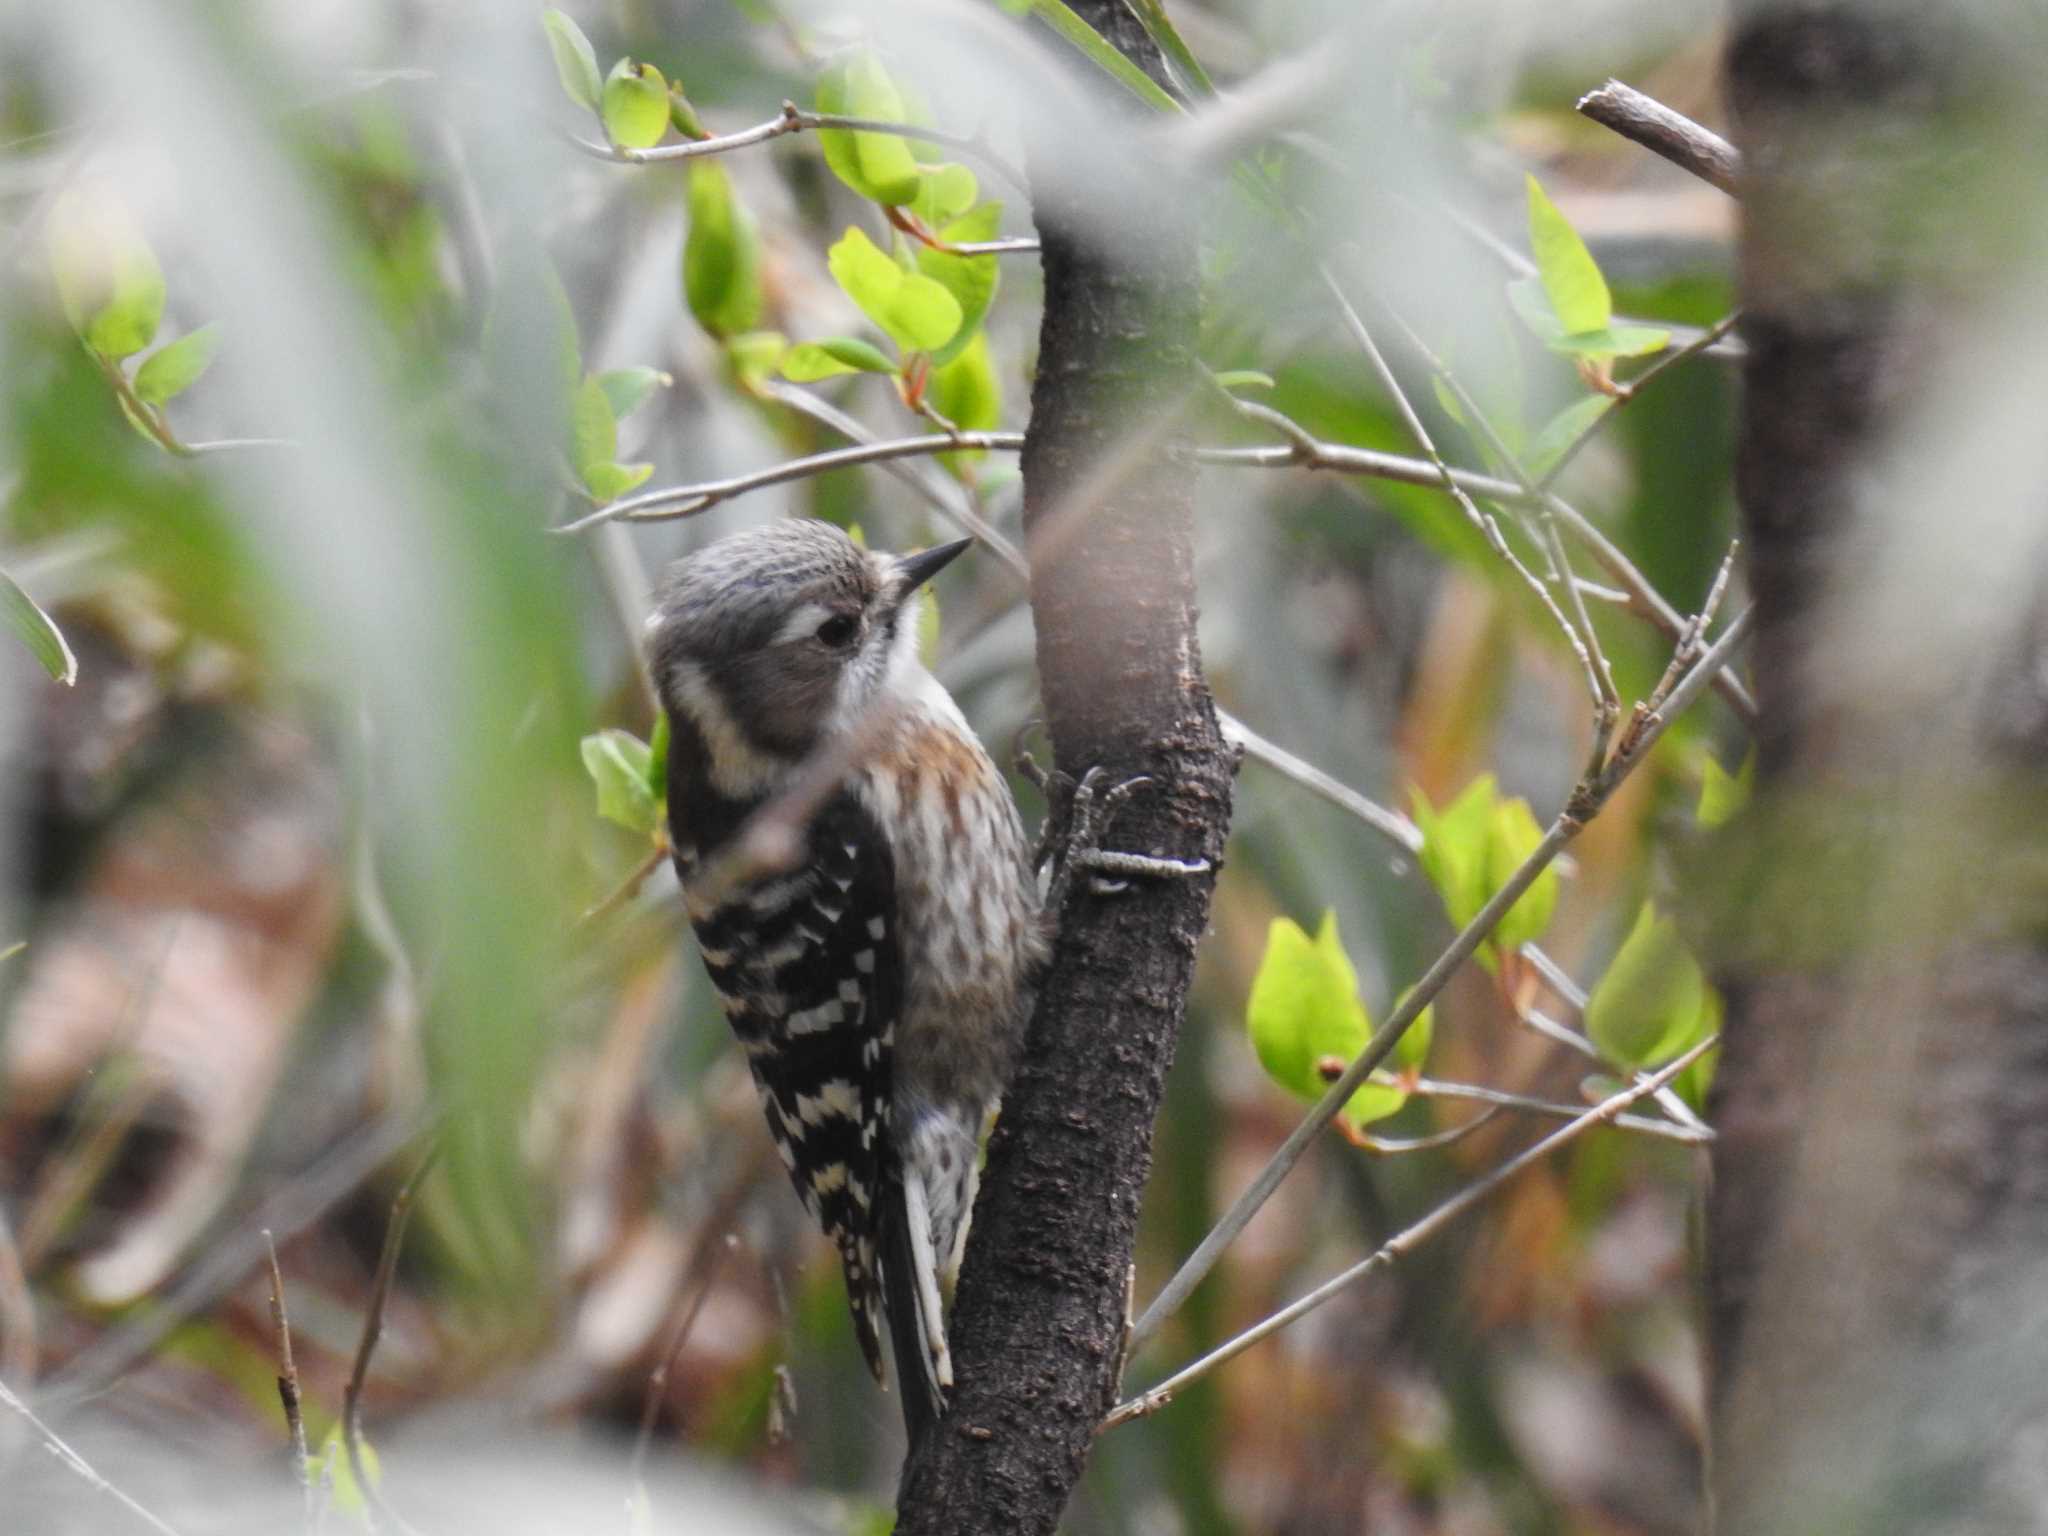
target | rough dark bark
x=1038, y=1324
x=1879, y=1212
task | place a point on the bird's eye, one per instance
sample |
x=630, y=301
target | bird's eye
x=839, y=630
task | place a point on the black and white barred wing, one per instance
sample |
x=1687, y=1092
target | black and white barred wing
x=807, y=968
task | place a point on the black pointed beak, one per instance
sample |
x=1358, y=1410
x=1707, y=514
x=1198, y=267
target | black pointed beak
x=915, y=570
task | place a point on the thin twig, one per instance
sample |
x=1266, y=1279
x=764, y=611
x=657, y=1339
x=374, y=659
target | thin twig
x=1406, y=1241
x=672, y=1349
x=288, y=1379
x=1623, y=392
x=373, y=1330
x=624, y=891
x=688, y=500
x=794, y=119
x=1388, y=1146
x=81, y=1466
x=1584, y=802
x=1646, y=121
x=1390, y=824
x=1430, y=1088
x=1584, y=646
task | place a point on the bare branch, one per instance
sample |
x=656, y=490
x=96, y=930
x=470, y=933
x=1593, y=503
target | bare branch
x=373, y=1330
x=794, y=119
x=1584, y=802
x=1406, y=1241
x=686, y=500
x=288, y=1378
x=1646, y=121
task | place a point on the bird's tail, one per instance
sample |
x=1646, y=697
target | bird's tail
x=912, y=1304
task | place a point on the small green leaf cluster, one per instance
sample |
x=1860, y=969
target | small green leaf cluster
x=1654, y=1002
x=111, y=289
x=1471, y=848
x=596, y=404
x=631, y=777
x=1307, y=1024
x=635, y=106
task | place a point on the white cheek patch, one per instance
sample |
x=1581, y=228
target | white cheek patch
x=737, y=768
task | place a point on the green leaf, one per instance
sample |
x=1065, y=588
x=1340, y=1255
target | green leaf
x=722, y=257
x=657, y=758
x=171, y=370
x=1571, y=278
x=1246, y=378
x=627, y=389
x=918, y=313
x=876, y=165
x=1612, y=341
x=617, y=762
x=946, y=192
x=1723, y=794
x=1653, y=1001
x=575, y=60
x=1454, y=847
x=809, y=361
x=635, y=108
x=1304, y=1013
x=36, y=630
x=971, y=280
x=108, y=280
x=1562, y=430
x=683, y=116
x=331, y=1467
x=608, y=481
x=593, y=428
x=967, y=393
x=754, y=355
x=1512, y=835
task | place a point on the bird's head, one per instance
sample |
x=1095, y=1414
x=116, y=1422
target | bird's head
x=773, y=640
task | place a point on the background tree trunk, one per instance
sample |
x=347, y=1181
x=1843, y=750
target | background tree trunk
x=1037, y=1330
x=1878, y=1221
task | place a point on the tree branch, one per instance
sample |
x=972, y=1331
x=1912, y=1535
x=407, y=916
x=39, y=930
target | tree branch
x=1038, y=1328
x=1646, y=121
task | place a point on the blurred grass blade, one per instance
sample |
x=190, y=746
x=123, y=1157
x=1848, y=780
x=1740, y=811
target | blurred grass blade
x=37, y=631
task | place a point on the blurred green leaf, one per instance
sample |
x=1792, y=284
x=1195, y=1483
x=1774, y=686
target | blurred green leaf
x=1411, y=1051
x=36, y=630
x=593, y=428
x=928, y=628
x=754, y=355
x=1103, y=54
x=946, y=192
x=1571, y=278
x=722, y=256
x=879, y=166
x=1562, y=430
x=1653, y=1002
x=967, y=393
x=1304, y=1016
x=1512, y=836
x=1613, y=341
x=635, y=108
x=575, y=60
x=108, y=281
x=809, y=361
x=1723, y=794
x=971, y=280
x=171, y=370
x=627, y=389
x=330, y=1467
x=1471, y=848
x=657, y=758
x=1247, y=378
x=618, y=763
x=607, y=480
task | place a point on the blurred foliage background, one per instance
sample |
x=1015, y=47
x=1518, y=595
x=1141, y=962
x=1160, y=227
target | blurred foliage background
x=306, y=868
